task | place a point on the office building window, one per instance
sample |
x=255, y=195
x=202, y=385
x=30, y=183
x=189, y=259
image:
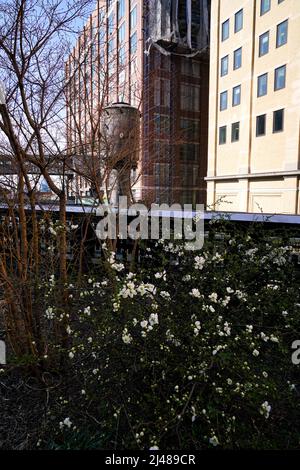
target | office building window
x=189, y=174
x=133, y=43
x=162, y=174
x=265, y=6
x=237, y=59
x=262, y=85
x=162, y=92
x=122, y=55
x=238, y=21
x=189, y=97
x=280, y=77
x=188, y=197
x=122, y=77
x=224, y=66
x=222, y=135
x=133, y=18
x=162, y=123
x=189, y=152
x=225, y=30
x=223, y=100
x=121, y=9
x=133, y=67
x=110, y=46
x=236, y=95
x=235, y=132
x=261, y=125
x=190, y=129
x=278, y=120
x=264, y=44
x=122, y=31
x=111, y=23
x=282, y=33
x=189, y=67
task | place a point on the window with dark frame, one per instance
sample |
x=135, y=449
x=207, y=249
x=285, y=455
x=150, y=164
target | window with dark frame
x=236, y=95
x=222, y=135
x=265, y=6
x=278, y=120
x=262, y=85
x=261, y=125
x=237, y=58
x=225, y=30
x=235, y=132
x=282, y=34
x=238, y=21
x=280, y=78
x=224, y=66
x=264, y=44
x=223, y=100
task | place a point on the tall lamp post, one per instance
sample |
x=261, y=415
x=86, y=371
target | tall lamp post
x=3, y=109
x=2, y=93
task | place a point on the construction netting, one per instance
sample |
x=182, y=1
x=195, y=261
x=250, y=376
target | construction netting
x=183, y=22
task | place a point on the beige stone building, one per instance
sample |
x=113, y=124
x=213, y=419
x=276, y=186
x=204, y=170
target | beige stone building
x=254, y=112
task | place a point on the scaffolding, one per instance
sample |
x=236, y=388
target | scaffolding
x=176, y=37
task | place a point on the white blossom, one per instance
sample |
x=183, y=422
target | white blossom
x=87, y=311
x=197, y=328
x=153, y=319
x=227, y=328
x=199, y=262
x=165, y=295
x=162, y=275
x=265, y=409
x=49, y=314
x=126, y=337
x=214, y=440
x=264, y=337
x=225, y=301
x=213, y=297
x=195, y=293
x=66, y=422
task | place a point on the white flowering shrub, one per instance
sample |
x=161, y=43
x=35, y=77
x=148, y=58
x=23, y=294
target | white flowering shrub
x=191, y=351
